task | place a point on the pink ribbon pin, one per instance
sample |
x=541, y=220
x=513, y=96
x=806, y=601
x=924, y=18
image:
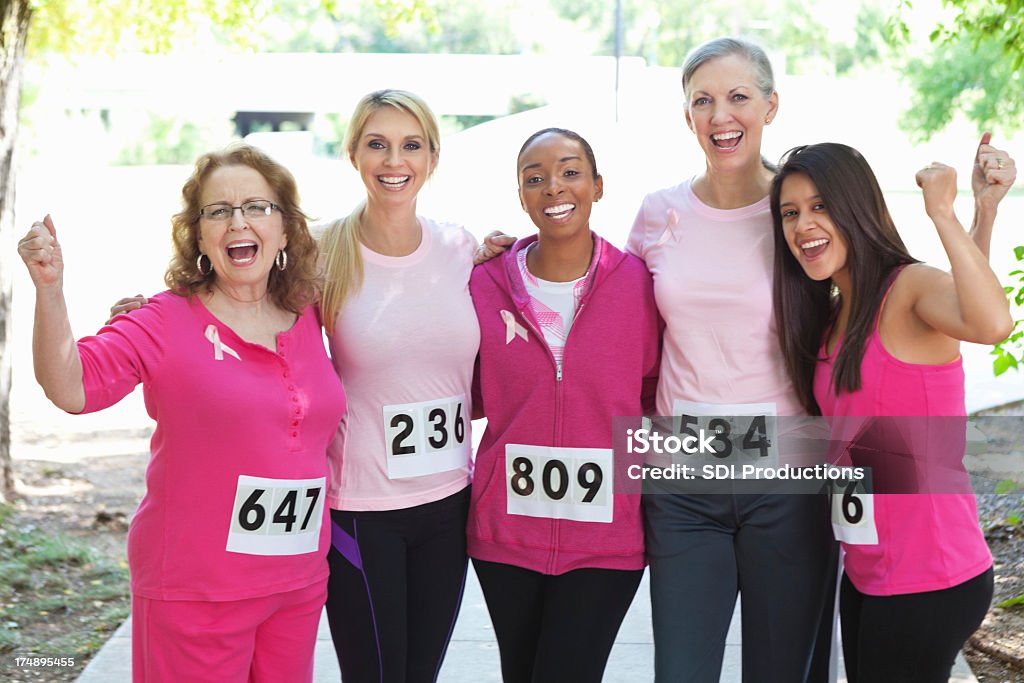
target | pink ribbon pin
x=219, y=348
x=512, y=328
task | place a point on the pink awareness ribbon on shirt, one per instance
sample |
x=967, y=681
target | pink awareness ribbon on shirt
x=672, y=219
x=219, y=348
x=512, y=328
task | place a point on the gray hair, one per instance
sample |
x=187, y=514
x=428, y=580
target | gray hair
x=723, y=47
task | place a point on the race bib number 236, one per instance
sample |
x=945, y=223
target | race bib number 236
x=427, y=437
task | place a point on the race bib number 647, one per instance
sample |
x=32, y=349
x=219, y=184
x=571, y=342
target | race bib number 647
x=276, y=516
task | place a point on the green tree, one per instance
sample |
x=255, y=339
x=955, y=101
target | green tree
x=664, y=31
x=975, y=68
x=968, y=76
x=34, y=28
x=452, y=26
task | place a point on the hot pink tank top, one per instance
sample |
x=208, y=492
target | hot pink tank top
x=926, y=541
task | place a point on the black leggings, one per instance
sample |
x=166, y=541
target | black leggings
x=911, y=638
x=555, y=628
x=395, y=588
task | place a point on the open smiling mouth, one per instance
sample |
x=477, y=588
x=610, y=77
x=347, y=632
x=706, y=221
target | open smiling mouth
x=814, y=248
x=393, y=182
x=726, y=140
x=559, y=212
x=242, y=253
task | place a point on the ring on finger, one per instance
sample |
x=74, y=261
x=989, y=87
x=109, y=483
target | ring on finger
x=1000, y=163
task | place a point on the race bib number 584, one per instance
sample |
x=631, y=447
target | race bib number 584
x=276, y=516
x=744, y=432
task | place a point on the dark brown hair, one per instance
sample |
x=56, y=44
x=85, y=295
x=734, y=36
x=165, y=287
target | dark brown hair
x=804, y=308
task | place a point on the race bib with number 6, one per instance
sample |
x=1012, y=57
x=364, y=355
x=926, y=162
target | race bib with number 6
x=853, y=514
x=427, y=437
x=559, y=483
x=276, y=516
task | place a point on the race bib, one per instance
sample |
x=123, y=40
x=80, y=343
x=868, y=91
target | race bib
x=740, y=432
x=853, y=514
x=276, y=516
x=427, y=437
x=559, y=483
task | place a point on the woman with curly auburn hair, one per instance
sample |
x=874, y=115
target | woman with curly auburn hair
x=228, y=548
x=292, y=288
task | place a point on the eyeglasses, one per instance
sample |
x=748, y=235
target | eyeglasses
x=253, y=210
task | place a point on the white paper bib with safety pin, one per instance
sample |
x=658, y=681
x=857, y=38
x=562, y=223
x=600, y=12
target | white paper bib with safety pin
x=853, y=515
x=427, y=437
x=744, y=432
x=276, y=516
x=560, y=483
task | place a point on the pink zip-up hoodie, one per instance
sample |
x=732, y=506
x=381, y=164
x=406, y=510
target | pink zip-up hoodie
x=609, y=369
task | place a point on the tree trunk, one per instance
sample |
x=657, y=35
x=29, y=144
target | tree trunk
x=14, y=20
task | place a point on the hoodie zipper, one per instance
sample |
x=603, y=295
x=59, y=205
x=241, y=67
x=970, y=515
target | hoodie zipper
x=557, y=437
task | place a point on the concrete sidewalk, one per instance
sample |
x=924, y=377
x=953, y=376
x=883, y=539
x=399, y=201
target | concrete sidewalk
x=473, y=653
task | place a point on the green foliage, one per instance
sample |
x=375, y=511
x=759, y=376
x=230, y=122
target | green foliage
x=1012, y=602
x=1006, y=486
x=109, y=26
x=664, y=31
x=964, y=75
x=91, y=26
x=172, y=140
x=391, y=26
x=869, y=45
x=525, y=102
x=998, y=20
x=975, y=67
x=1010, y=353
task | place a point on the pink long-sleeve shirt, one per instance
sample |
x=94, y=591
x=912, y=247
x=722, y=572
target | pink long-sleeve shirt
x=233, y=507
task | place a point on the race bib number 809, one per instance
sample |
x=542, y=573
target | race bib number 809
x=559, y=483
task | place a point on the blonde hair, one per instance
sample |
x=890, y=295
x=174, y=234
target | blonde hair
x=339, y=247
x=293, y=288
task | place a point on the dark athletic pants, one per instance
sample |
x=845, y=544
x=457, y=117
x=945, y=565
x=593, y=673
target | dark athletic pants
x=555, y=629
x=912, y=638
x=775, y=549
x=395, y=588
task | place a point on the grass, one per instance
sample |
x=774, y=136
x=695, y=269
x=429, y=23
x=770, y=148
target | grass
x=58, y=596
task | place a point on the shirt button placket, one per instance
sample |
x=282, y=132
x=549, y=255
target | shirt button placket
x=296, y=405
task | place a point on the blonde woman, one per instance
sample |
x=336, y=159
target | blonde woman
x=403, y=337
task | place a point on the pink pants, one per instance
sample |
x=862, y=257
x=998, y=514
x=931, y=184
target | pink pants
x=268, y=639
